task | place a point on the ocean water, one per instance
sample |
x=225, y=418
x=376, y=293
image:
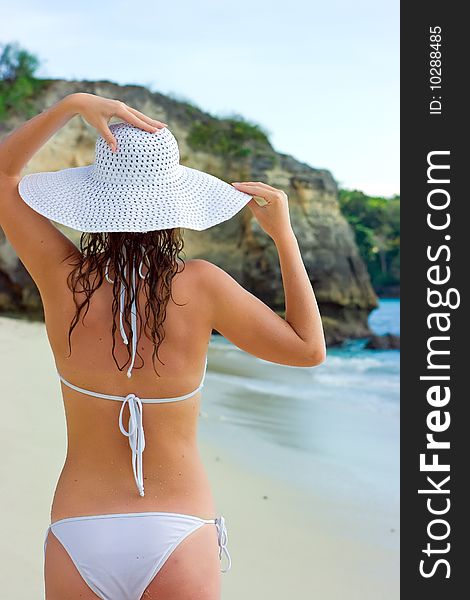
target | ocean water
x=335, y=426
x=386, y=318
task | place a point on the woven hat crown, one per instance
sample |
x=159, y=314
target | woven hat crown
x=142, y=158
x=141, y=187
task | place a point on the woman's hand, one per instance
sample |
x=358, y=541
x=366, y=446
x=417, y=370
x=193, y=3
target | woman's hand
x=22, y=143
x=98, y=112
x=273, y=216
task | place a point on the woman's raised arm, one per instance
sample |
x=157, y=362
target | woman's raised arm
x=20, y=146
x=249, y=323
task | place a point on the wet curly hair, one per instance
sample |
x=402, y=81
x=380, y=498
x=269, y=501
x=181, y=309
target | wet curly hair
x=162, y=251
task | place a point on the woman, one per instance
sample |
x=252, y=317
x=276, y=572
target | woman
x=118, y=532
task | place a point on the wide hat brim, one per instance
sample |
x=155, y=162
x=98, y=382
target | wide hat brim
x=74, y=197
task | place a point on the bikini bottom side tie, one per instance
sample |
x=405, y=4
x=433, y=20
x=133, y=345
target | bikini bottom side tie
x=222, y=537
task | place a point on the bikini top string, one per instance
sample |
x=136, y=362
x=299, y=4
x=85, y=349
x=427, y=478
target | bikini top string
x=133, y=305
x=135, y=432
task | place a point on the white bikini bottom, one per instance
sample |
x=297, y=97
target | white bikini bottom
x=118, y=555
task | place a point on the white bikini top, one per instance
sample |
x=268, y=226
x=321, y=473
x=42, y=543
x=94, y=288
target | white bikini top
x=135, y=431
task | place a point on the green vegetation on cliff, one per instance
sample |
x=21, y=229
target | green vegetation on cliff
x=229, y=138
x=18, y=85
x=376, y=224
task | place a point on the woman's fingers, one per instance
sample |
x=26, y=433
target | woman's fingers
x=256, y=183
x=273, y=216
x=251, y=188
x=131, y=118
x=254, y=206
x=145, y=118
x=258, y=189
x=128, y=114
x=106, y=134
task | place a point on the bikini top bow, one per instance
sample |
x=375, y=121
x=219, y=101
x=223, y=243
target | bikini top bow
x=136, y=436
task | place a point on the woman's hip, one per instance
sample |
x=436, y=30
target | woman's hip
x=121, y=555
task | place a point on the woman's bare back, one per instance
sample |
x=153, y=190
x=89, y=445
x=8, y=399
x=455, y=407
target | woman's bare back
x=97, y=475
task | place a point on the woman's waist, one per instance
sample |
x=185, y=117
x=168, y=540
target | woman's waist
x=109, y=449
x=100, y=487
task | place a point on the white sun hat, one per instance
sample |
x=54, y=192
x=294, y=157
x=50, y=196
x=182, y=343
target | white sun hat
x=141, y=187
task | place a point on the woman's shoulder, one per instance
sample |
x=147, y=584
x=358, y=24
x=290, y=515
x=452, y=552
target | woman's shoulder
x=202, y=267
x=213, y=284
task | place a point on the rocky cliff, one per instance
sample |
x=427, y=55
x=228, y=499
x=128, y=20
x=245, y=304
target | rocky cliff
x=339, y=277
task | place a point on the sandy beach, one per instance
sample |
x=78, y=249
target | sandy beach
x=284, y=541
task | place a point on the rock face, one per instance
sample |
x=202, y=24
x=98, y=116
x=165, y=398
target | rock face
x=239, y=246
x=388, y=341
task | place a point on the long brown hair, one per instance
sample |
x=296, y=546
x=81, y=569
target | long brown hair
x=160, y=250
